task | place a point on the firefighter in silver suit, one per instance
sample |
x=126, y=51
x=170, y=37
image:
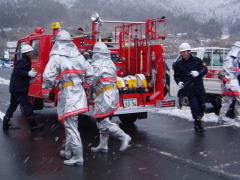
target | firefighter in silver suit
x=106, y=100
x=68, y=70
x=231, y=78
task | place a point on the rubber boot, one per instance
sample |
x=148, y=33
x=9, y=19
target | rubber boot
x=77, y=158
x=125, y=142
x=6, y=123
x=201, y=130
x=115, y=130
x=65, y=154
x=103, y=145
x=198, y=126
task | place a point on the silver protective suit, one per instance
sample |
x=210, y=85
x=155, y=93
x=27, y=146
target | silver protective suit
x=68, y=70
x=231, y=87
x=107, y=95
x=106, y=101
x=67, y=65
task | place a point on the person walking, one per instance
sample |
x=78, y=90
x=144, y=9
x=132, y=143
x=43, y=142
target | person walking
x=19, y=85
x=230, y=77
x=188, y=74
x=106, y=100
x=68, y=70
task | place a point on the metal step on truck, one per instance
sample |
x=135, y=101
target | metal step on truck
x=136, y=51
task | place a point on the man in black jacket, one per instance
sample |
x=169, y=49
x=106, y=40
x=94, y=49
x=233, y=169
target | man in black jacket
x=188, y=74
x=19, y=84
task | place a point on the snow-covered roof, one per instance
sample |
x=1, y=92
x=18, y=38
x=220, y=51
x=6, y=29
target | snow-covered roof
x=208, y=48
x=11, y=44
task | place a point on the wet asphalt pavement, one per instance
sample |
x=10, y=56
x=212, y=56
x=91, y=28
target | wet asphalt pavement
x=163, y=148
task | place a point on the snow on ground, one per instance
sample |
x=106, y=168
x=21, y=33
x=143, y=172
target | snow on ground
x=186, y=114
x=4, y=81
x=1, y=115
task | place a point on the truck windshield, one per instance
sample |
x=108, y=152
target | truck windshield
x=215, y=57
x=35, y=45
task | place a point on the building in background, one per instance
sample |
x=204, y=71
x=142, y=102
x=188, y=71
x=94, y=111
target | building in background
x=9, y=50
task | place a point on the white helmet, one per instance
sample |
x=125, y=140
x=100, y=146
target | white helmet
x=26, y=48
x=100, y=47
x=63, y=35
x=184, y=47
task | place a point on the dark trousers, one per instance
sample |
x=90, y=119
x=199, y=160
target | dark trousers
x=197, y=106
x=22, y=99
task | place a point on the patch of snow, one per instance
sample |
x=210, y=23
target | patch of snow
x=1, y=115
x=186, y=114
x=225, y=36
x=7, y=29
x=4, y=81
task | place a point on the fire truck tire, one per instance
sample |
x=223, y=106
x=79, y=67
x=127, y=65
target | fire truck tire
x=128, y=118
x=216, y=102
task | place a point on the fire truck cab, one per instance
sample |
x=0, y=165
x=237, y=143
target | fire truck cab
x=137, y=55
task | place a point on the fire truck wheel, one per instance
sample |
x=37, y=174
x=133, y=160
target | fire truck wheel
x=216, y=102
x=128, y=118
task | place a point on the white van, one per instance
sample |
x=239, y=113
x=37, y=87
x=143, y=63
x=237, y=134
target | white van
x=213, y=57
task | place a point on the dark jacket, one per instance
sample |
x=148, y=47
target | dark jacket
x=182, y=69
x=19, y=81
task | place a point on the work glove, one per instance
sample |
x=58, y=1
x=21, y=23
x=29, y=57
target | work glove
x=32, y=74
x=181, y=85
x=194, y=73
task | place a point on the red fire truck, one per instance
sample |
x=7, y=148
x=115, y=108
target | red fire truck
x=136, y=52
